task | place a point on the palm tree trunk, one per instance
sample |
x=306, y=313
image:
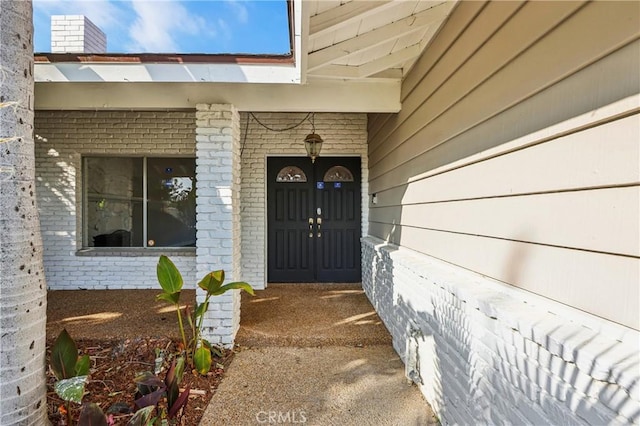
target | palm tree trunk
x=22, y=285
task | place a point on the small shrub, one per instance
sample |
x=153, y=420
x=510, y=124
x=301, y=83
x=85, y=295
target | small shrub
x=159, y=399
x=72, y=372
x=198, y=350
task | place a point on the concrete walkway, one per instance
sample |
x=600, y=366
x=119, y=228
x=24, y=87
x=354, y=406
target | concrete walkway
x=317, y=355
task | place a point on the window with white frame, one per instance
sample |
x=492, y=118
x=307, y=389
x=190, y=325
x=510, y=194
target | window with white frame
x=139, y=202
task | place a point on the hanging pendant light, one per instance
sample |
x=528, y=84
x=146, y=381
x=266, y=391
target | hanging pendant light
x=313, y=142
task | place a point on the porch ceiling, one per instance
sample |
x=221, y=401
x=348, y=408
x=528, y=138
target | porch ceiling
x=364, y=40
x=348, y=56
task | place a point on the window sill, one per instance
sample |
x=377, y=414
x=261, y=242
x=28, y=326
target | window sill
x=136, y=251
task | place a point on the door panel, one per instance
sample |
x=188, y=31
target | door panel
x=340, y=230
x=289, y=207
x=328, y=248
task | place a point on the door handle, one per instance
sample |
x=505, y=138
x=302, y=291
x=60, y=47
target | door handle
x=310, y=227
x=319, y=227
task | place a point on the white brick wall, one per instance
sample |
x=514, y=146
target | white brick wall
x=62, y=138
x=487, y=353
x=231, y=201
x=343, y=134
x=76, y=34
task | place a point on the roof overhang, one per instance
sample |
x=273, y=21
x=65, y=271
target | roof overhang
x=345, y=56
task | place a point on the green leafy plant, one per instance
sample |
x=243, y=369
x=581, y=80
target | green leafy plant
x=197, y=348
x=72, y=372
x=160, y=400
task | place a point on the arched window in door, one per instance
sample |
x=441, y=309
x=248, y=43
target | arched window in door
x=291, y=174
x=338, y=174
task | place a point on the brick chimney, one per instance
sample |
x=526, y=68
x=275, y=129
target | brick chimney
x=76, y=34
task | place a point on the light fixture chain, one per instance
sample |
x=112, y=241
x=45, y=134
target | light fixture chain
x=285, y=129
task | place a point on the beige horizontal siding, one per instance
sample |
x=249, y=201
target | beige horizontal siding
x=609, y=80
x=457, y=25
x=463, y=104
x=459, y=71
x=591, y=158
x=517, y=151
x=607, y=217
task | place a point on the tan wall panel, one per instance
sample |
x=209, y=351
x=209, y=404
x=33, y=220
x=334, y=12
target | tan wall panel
x=517, y=152
x=606, y=155
x=448, y=82
x=580, y=41
x=606, y=82
x=459, y=40
x=376, y=122
x=599, y=220
x=457, y=23
x=604, y=285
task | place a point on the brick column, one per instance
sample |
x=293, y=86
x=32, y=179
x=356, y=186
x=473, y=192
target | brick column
x=218, y=213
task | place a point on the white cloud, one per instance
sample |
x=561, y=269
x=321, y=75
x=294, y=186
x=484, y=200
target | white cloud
x=240, y=11
x=225, y=31
x=159, y=25
x=107, y=15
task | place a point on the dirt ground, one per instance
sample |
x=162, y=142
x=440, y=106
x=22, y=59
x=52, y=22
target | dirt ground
x=112, y=314
x=115, y=364
x=121, y=330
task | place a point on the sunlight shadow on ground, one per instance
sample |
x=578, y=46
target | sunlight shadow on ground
x=266, y=299
x=341, y=293
x=170, y=309
x=112, y=314
x=356, y=319
x=319, y=355
x=93, y=318
x=308, y=313
x=331, y=385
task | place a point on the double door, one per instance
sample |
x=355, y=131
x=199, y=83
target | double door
x=314, y=214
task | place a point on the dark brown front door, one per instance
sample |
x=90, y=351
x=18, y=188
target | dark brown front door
x=313, y=219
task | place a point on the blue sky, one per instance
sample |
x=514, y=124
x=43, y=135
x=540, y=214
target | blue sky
x=170, y=26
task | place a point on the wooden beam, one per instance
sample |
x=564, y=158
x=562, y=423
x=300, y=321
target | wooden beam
x=344, y=15
x=346, y=72
x=389, y=61
x=317, y=95
x=383, y=67
x=377, y=36
x=336, y=71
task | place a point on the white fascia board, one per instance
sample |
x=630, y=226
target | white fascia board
x=301, y=37
x=168, y=73
x=316, y=95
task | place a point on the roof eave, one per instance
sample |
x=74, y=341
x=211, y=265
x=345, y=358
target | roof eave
x=178, y=68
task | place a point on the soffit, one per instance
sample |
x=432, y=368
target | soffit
x=364, y=40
